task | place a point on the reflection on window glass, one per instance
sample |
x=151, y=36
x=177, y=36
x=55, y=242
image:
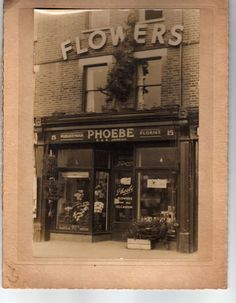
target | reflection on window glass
x=96, y=77
x=73, y=208
x=149, y=83
x=101, y=201
x=75, y=158
x=156, y=196
x=123, y=196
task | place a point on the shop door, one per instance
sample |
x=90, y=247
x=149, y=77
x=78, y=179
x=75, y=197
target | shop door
x=101, y=191
x=122, y=193
x=101, y=198
x=156, y=195
x=122, y=203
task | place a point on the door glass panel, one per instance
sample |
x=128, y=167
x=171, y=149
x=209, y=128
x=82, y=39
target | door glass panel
x=156, y=196
x=123, y=196
x=101, y=201
x=73, y=208
x=123, y=159
x=102, y=159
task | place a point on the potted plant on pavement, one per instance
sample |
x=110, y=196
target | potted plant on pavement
x=144, y=235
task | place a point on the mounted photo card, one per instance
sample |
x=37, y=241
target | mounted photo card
x=114, y=138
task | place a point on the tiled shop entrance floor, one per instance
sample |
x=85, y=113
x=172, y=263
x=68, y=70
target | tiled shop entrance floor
x=104, y=249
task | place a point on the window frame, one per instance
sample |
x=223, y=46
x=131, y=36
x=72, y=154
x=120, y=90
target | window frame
x=148, y=55
x=145, y=85
x=87, y=62
x=142, y=19
x=85, y=90
x=91, y=177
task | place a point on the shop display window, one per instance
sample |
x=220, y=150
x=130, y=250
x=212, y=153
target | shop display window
x=73, y=207
x=156, y=196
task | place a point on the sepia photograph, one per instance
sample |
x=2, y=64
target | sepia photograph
x=116, y=132
x=115, y=144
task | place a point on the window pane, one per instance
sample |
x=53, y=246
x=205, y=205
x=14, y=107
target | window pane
x=123, y=160
x=149, y=97
x=156, y=157
x=95, y=102
x=75, y=158
x=96, y=77
x=101, y=159
x=101, y=201
x=149, y=72
x=154, y=72
x=156, y=196
x=149, y=83
x=153, y=14
x=123, y=196
x=73, y=208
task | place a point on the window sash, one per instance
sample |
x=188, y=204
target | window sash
x=149, y=81
x=94, y=99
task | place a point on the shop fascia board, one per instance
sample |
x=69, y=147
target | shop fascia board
x=103, y=118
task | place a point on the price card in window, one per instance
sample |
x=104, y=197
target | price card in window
x=156, y=183
x=125, y=181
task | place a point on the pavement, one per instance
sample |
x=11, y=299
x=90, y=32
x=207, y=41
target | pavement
x=103, y=250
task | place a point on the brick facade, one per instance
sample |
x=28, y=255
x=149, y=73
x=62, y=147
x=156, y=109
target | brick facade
x=59, y=83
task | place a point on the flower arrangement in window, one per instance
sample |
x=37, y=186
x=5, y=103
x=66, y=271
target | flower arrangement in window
x=77, y=211
x=99, y=197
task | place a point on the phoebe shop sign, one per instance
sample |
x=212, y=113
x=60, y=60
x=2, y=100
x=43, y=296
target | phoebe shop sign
x=97, y=38
x=114, y=134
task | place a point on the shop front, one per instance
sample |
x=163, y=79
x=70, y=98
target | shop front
x=115, y=172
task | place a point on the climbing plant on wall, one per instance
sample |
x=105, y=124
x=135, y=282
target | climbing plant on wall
x=53, y=190
x=120, y=78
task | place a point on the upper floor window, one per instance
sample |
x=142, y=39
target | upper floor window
x=148, y=83
x=96, y=77
x=150, y=15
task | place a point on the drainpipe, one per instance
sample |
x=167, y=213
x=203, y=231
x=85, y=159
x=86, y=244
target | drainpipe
x=181, y=66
